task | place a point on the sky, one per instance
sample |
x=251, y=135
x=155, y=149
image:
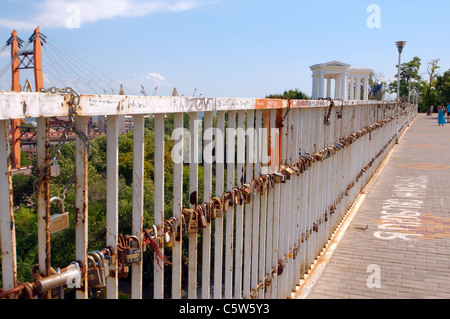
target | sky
x=220, y=48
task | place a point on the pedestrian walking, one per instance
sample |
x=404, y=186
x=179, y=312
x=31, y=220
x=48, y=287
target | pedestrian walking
x=441, y=116
x=448, y=112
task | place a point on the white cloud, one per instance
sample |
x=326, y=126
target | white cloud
x=156, y=77
x=66, y=13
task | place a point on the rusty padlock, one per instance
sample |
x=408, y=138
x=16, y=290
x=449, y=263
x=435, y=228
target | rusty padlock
x=191, y=218
x=216, y=207
x=201, y=214
x=95, y=277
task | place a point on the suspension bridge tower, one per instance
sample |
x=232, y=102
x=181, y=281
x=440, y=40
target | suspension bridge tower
x=26, y=59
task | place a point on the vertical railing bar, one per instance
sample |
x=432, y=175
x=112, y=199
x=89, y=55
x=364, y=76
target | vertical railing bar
x=320, y=187
x=298, y=211
x=256, y=202
x=7, y=225
x=177, y=203
x=207, y=192
x=281, y=280
x=293, y=205
x=193, y=187
x=43, y=195
x=303, y=190
x=218, y=229
x=112, y=200
x=159, y=163
x=310, y=195
x=287, y=213
x=276, y=207
x=229, y=218
x=81, y=201
x=270, y=201
x=250, y=156
x=138, y=200
x=263, y=200
x=240, y=166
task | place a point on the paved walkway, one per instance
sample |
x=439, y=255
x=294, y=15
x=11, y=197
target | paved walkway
x=398, y=243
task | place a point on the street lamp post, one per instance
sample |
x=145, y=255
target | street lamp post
x=400, y=45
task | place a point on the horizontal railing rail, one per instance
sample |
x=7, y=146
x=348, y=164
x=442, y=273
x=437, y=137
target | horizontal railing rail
x=268, y=182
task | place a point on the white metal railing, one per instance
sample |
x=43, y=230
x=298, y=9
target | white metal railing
x=304, y=162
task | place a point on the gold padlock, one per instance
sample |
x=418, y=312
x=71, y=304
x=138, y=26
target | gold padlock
x=169, y=234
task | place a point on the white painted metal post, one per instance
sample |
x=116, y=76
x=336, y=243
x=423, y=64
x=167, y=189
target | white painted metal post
x=177, y=203
x=193, y=187
x=81, y=201
x=229, y=217
x=218, y=239
x=159, y=162
x=250, y=154
x=240, y=208
x=7, y=226
x=207, y=192
x=112, y=200
x=263, y=200
x=256, y=202
x=43, y=195
x=138, y=200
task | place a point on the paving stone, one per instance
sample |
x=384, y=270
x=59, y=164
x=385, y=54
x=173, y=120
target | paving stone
x=417, y=174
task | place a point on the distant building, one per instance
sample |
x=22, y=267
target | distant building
x=342, y=81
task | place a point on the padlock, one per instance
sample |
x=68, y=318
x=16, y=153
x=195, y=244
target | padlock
x=246, y=194
x=229, y=199
x=262, y=185
x=201, y=215
x=109, y=259
x=133, y=254
x=225, y=202
x=123, y=272
x=100, y=260
x=216, y=207
x=182, y=228
x=169, y=234
x=207, y=208
x=59, y=221
x=94, y=275
x=105, y=262
x=55, y=169
x=237, y=196
x=191, y=220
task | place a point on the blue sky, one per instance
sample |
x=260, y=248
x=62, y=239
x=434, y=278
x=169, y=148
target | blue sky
x=226, y=48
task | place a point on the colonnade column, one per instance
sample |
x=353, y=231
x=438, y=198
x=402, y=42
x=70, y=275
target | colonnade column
x=328, y=87
x=352, y=88
x=366, y=89
x=321, y=85
x=358, y=89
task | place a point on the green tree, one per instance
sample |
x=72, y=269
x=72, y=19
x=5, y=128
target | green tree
x=409, y=71
x=295, y=94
